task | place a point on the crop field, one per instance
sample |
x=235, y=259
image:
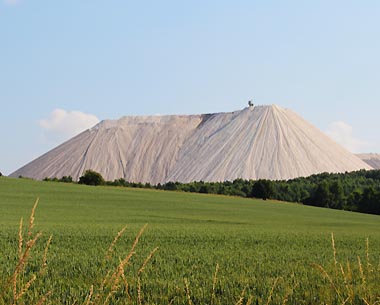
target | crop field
x=211, y=249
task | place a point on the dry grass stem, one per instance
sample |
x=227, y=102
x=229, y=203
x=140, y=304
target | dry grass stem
x=349, y=271
x=138, y=237
x=346, y=283
x=21, y=263
x=109, y=295
x=362, y=276
x=88, y=298
x=289, y=293
x=115, y=279
x=25, y=288
x=334, y=252
x=272, y=290
x=114, y=242
x=126, y=288
x=105, y=280
x=214, y=284
x=20, y=239
x=188, y=296
x=366, y=302
x=25, y=255
x=241, y=298
x=18, y=287
x=345, y=301
x=43, y=299
x=31, y=218
x=249, y=302
x=44, y=258
x=369, y=266
x=328, y=277
x=149, y=257
x=139, y=291
x=120, y=269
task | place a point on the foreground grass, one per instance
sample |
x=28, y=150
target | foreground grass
x=272, y=251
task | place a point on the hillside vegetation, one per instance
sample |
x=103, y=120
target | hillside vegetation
x=356, y=191
x=266, y=252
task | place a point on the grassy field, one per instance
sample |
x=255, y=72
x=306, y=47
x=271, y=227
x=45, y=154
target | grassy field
x=258, y=245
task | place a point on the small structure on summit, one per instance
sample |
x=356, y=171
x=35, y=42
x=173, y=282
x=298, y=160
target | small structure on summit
x=250, y=103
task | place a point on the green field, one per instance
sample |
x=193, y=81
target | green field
x=254, y=243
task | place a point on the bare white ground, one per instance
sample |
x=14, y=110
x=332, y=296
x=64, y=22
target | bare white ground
x=371, y=159
x=256, y=142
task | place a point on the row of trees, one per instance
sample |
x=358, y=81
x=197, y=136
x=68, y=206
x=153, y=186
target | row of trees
x=355, y=191
x=89, y=177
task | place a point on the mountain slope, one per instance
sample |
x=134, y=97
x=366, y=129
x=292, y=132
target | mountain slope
x=371, y=159
x=256, y=142
x=137, y=148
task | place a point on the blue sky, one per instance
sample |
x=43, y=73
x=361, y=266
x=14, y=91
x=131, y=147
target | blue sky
x=64, y=65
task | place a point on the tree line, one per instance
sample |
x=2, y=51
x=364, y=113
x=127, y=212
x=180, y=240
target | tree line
x=355, y=191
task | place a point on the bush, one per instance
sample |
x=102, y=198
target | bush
x=263, y=189
x=91, y=177
x=66, y=179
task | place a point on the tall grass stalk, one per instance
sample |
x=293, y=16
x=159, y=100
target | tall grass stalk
x=351, y=284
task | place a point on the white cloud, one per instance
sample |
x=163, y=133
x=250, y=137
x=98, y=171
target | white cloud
x=62, y=124
x=11, y=2
x=342, y=133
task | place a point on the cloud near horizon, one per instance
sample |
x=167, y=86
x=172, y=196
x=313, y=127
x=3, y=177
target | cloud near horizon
x=62, y=124
x=342, y=133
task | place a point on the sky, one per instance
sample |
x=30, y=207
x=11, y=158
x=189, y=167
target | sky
x=66, y=65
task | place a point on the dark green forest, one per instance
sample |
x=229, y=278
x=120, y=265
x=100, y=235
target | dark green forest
x=355, y=191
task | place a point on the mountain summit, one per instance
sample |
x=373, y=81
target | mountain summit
x=257, y=142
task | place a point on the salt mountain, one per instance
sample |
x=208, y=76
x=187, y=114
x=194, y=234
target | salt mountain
x=257, y=142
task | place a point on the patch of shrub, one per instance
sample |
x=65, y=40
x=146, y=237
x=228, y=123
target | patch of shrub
x=91, y=177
